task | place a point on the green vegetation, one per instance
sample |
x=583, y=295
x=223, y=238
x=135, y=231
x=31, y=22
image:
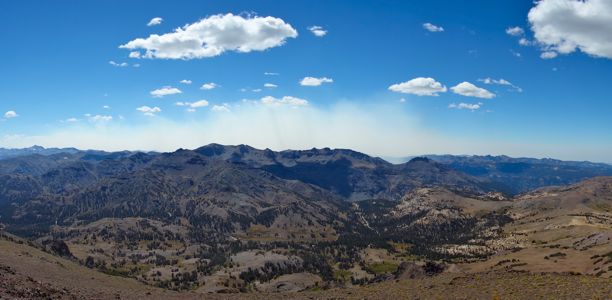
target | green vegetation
x=382, y=267
x=342, y=276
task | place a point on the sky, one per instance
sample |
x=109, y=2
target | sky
x=388, y=78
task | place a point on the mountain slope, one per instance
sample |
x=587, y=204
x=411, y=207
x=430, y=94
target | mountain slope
x=350, y=174
x=27, y=272
x=520, y=175
x=234, y=218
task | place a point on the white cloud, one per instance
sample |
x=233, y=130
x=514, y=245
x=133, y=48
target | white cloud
x=99, y=118
x=402, y=100
x=271, y=73
x=462, y=105
x=136, y=65
x=209, y=86
x=165, y=91
x=221, y=108
x=469, y=90
x=420, y=86
x=432, y=28
x=519, y=32
x=134, y=54
x=500, y=81
x=286, y=100
x=515, y=31
x=155, y=21
x=186, y=81
x=199, y=103
x=70, y=120
x=270, y=85
x=564, y=26
x=525, y=42
x=193, y=105
x=149, y=111
x=516, y=54
x=116, y=64
x=215, y=35
x=106, y=107
x=317, y=31
x=256, y=90
x=313, y=81
x=548, y=54
x=10, y=114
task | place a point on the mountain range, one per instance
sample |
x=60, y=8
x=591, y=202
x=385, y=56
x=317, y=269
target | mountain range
x=239, y=219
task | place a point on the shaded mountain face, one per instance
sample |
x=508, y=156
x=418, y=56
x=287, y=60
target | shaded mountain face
x=520, y=175
x=352, y=175
x=220, y=196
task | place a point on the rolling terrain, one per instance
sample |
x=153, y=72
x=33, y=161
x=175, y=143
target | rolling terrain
x=234, y=219
x=27, y=272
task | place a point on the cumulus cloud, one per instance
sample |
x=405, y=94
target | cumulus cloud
x=214, y=35
x=185, y=81
x=317, y=31
x=286, y=100
x=469, y=90
x=432, y=28
x=420, y=86
x=165, y=91
x=548, y=54
x=10, y=114
x=209, y=86
x=468, y=106
x=155, y=21
x=199, y=103
x=116, y=64
x=565, y=26
x=520, y=33
x=313, y=81
x=221, y=108
x=134, y=54
x=500, y=81
x=270, y=85
x=525, y=42
x=149, y=111
x=515, y=31
x=271, y=73
x=193, y=105
x=99, y=118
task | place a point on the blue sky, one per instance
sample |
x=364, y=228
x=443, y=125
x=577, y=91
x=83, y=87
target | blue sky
x=57, y=77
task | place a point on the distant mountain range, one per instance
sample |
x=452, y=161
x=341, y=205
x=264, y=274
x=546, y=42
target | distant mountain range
x=499, y=173
x=519, y=175
x=8, y=153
